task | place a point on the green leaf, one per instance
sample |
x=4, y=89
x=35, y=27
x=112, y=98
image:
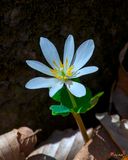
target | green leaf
x=95, y=99
x=76, y=80
x=59, y=110
x=82, y=103
x=57, y=96
x=84, y=108
x=65, y=99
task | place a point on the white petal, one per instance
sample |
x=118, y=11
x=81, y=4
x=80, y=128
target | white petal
x=83, y=54
x=39, y=67
x=55, y=88
x=85, y=71
x=40, y=82
x=76, y=88
x=49, y=51
x=68, y=50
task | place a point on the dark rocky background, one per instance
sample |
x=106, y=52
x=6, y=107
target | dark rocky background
x=22, y=22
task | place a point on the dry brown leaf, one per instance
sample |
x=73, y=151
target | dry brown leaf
x=122, y=73
x=16, y=144
x=119, y=92
x=99, y=148
x=84, y=154
x=102, y=145
x=41, y=157
x=61, y=145
x=117, y=132
x=112, y=137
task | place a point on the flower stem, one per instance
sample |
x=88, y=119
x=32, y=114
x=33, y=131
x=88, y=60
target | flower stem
x=78, y=119
x=81, y=126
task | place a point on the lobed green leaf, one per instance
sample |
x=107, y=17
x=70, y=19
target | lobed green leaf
x=59, y=110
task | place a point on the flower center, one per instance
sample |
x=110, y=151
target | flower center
x=62, y=72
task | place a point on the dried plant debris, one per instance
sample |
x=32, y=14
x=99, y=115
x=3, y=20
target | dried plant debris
x=119, y=91
x=98, y=148
x=61, y=145
x=109, y=141
x=41, y=157
x=17, y=144
x=102, y=145
x=84, y=154
x=118, y=131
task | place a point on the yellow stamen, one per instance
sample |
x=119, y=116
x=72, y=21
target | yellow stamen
x=55, y=64
x=59, y=77
x=69, y=71
x=60, y=72
x=65, y=78
x=61, y=65
x=54, y=71
x=66, y=62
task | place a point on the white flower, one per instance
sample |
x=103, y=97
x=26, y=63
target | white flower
x=62, y=73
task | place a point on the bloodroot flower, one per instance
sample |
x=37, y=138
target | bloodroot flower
x=62, y=73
